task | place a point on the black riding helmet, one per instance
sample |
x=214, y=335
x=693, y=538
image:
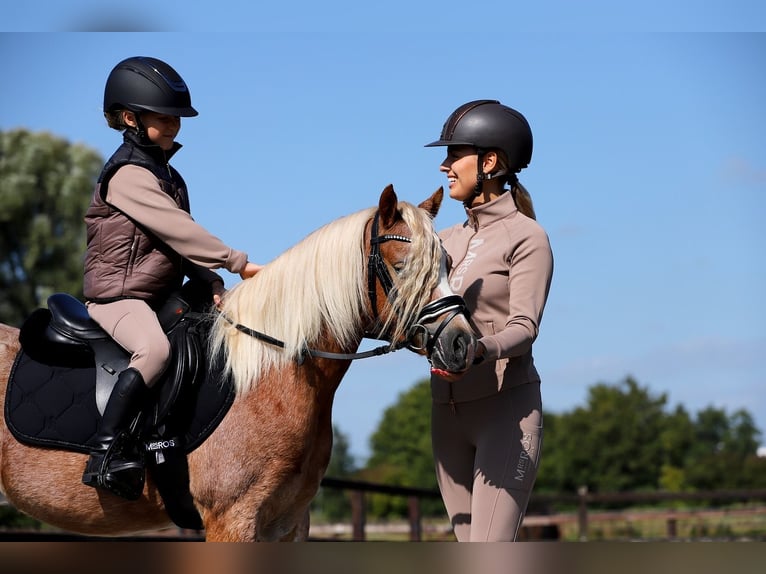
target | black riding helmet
x=143, y=83
x=487, y=124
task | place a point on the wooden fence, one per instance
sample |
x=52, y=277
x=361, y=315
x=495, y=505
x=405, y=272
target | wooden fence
x=539, y=526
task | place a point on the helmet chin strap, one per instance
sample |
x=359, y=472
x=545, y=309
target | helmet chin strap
x=140, y=129
x=481, y=177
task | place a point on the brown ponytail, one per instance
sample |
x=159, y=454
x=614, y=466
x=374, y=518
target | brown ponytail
x=519, y=192
x=523, y=199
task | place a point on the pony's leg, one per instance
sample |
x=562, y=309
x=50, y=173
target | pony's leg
x=301, y=531
x=238, y=524
x=227, y=528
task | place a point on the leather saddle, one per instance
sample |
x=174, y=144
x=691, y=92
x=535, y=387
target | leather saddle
x=65, y=335
x=67, y=366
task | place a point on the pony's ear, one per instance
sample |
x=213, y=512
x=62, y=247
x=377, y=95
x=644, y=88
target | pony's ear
x=387, y=206
x=433, y=203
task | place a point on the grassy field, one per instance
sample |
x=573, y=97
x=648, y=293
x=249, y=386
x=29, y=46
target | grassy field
x=738, y=523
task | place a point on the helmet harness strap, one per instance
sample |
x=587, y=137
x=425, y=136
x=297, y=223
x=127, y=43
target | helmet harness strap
x=141, y=129
x=480, y=175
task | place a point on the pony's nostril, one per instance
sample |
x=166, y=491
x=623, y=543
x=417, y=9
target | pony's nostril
x=459, y=348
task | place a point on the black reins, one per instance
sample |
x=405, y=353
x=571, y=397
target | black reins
x=377, y=270
x=307, y=352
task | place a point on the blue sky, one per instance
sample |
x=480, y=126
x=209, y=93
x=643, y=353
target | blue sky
x=649, y=169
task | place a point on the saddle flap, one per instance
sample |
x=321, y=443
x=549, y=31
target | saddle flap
x=183, y=369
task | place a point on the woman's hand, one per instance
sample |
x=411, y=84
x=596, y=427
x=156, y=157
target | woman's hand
x=478, y=356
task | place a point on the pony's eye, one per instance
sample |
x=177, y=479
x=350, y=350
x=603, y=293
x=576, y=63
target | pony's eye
x=399, y=267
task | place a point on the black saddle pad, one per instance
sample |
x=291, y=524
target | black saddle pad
x=55, y=407
x=50, y=405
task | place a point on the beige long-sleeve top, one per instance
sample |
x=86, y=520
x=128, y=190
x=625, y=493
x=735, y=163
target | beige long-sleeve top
x=502, y=265
x=135, y=191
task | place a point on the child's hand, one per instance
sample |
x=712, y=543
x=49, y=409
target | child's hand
x=250, y=270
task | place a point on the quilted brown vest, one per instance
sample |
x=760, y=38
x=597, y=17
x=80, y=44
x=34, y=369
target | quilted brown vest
x=122, y=260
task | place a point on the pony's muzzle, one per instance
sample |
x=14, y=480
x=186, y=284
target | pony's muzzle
x=451, y=345
x=454, y=351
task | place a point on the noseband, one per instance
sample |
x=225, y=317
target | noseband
x=418, y=338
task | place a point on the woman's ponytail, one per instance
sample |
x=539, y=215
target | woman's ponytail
x=522, y=198
x=519, y=192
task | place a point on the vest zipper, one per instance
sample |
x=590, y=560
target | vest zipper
x=133, y=253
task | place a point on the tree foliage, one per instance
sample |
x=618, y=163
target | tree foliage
x=625, y=440
x=611, y=445
x=45, y=187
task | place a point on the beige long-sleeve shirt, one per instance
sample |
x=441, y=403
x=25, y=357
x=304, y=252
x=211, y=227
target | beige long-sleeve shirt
x=135, y=191
x=502, y=265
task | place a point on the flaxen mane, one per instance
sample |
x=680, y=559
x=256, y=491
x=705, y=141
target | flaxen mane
x=318, y=286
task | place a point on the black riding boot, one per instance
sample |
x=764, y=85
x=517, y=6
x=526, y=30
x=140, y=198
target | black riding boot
x=115, y=463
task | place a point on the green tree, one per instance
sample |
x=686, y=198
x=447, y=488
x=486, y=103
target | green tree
x=743, y=437
x=331, y=504
x=754, y=471
x=573, y=446
x=624, y=440
x=401, y=453
x=677, y=438
x=612, y=444
x=45, y=187
x=724, y=451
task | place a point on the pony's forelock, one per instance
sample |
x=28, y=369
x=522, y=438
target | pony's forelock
x=421, y=272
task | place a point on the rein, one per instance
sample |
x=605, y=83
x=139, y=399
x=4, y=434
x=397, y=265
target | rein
x=376, y=269
x=306, y=352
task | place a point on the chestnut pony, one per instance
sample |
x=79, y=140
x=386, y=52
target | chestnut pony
x=255, y=476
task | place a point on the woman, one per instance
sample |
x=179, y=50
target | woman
x=487, y=425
